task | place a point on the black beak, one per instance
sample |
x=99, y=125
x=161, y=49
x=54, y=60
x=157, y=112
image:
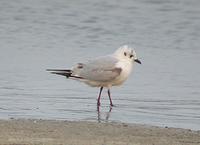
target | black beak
x=138, y=61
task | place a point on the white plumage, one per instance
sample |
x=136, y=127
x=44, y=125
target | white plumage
x=105, y=71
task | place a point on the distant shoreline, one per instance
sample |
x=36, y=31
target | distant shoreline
x=52, y=132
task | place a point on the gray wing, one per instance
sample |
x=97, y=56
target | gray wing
x=101, y=69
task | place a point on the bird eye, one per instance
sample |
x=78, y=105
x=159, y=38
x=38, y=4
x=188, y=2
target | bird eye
x=124, y=53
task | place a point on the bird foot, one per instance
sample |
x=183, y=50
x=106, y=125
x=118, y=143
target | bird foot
x=112, y=105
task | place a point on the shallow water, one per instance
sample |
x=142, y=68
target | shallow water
x=40, y=34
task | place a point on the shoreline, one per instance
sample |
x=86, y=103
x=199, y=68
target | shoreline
x=54, y=132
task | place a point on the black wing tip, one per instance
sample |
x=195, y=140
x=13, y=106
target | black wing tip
x=64, y=72
x=60, y=70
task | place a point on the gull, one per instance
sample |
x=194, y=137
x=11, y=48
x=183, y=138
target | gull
x=105, y=71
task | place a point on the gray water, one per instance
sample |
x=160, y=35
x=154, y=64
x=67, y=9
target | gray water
x=40, y=34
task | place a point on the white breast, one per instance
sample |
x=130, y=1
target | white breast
x=126, y=70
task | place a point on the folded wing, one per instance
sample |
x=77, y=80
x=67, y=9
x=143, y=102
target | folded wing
x=102, y=69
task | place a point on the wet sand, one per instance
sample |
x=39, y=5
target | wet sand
x=51, y=132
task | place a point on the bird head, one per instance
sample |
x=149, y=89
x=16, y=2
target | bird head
x=127, y=53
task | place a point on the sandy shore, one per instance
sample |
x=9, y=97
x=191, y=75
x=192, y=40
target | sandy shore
x=47, y=132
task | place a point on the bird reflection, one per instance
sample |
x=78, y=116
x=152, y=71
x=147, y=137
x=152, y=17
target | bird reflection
x=100, y=114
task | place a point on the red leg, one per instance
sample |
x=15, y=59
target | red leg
x=111, y=104
x=98, y=100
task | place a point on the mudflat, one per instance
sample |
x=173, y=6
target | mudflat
x=52, y=132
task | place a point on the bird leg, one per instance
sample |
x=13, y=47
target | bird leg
x=98, y=100
x=111, y=104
